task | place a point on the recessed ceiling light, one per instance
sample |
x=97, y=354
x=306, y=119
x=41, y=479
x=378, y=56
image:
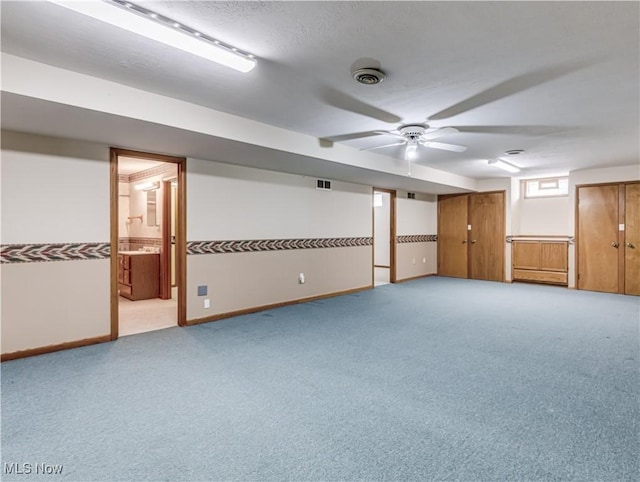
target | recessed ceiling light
x=514, y=152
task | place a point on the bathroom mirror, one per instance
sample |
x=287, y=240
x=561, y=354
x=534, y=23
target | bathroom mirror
x=151, y=208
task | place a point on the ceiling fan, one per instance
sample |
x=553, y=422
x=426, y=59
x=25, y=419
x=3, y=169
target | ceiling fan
x=414, y=135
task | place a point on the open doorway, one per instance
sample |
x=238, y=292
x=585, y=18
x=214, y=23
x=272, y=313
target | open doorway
x=147, y=242
x=383, y=236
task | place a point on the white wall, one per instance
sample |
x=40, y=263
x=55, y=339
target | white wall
x=54, y=191
x=544, y=216
x=382, y=234
x=416, y=217
x=226, y=202
x=234, y=202
x=123, y=210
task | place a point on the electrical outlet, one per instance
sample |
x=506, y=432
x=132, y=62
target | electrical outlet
x=301, y=278
x=207, y=303
x=424, y=260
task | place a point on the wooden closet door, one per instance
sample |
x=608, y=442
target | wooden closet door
x=487, y=243
x=632, y=240
x=598, y=243
x=452, y=236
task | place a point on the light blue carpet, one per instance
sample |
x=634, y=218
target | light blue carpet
x=435, y=379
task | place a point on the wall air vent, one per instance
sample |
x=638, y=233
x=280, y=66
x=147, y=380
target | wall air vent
x=411, y=195
x=323, y=185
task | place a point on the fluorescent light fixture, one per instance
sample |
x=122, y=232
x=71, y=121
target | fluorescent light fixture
x=147, y=186
x=503, y=165
x=141, y=21
x=411, y=154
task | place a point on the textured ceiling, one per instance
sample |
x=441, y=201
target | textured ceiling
x=557, y=79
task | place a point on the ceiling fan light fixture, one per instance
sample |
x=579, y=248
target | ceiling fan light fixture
x=505, y=166
x=411, y=153
x=146, y=23
x=369, y=76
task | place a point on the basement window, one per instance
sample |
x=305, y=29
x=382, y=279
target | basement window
x=549, y=187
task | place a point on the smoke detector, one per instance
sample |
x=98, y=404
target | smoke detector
x=369, y=76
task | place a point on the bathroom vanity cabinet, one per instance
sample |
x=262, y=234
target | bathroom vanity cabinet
x=138, y=275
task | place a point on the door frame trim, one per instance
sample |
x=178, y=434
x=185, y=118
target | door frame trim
x=624, y=235
x=392, y=233
x=165, y=252
x=181, y=231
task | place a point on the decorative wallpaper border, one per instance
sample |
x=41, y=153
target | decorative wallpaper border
x=32, y=253
x=166, y=167
x=417, y=238
x=147, y=241
x=260, y=245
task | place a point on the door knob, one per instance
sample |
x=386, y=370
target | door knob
x=464, y=241
x=473, y=241
x=630, y=245
x=614, y=244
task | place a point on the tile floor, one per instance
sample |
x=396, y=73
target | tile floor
x=146, y=315
x=381, y=276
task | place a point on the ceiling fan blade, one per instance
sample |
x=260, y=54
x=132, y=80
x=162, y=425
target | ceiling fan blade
x=444, y=131
x=444, y=147
x=342, y=101
x=380, y=147
x=389, y=133
x=521, y=130
x=509, y=87
x=351, y=136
